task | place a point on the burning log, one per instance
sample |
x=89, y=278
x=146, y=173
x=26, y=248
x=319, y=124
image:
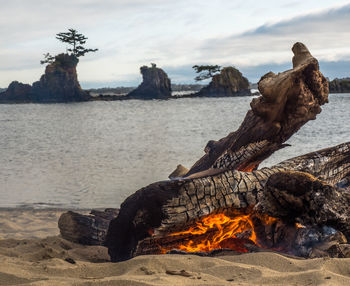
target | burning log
x=300, y=197
x=253, y=191
x=223, y=192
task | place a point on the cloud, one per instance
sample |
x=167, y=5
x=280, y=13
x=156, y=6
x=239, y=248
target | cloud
x=268, y=47
x=323, y=33
x=176, y=35
x=257, y=51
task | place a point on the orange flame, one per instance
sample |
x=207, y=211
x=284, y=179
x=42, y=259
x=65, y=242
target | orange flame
x=299, y=225
x=249, y=167
x=218, y=231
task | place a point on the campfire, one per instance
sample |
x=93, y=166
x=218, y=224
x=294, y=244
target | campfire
x=232, y=229
x=224, y=201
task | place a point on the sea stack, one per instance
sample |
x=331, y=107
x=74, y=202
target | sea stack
x=16, y=92
x=155, y=84
x=339, y=85
x=229, y=82
x=60, y=82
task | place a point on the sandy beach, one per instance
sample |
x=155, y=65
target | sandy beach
x=33, y=253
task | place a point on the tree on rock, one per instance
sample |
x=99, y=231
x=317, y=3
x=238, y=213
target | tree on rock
x=60, y=81
x=229, y=82
x=73, y=38
x=206, y=72
x=76, y=40
x=48, y=59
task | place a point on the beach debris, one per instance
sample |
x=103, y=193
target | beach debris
x=183, y=273
x=70, y=260
x=88, y=229
x=147, y=271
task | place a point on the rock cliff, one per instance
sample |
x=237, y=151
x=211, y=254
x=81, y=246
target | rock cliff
x=60, y=82
x=229, y=82
x=339, y=85
x=17, y=92
x=155, y=84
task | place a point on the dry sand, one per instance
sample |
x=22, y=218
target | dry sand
x=55, y=261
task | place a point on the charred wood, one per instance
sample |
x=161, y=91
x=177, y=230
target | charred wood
x=226, y=179
x=298, y=196
x=168, y=206
x=86, y=229
x=288, y=101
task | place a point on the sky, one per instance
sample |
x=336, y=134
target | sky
x=254, y=36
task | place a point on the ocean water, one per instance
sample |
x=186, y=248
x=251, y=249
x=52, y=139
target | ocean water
x=95, y=154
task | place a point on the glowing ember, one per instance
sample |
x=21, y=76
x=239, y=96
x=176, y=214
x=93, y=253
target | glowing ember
x=250, y=167
x=218, y=231
x=298, y=225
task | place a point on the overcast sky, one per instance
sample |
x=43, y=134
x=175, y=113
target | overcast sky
x=254, y=36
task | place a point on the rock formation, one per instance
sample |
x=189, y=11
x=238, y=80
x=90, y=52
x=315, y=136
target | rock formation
x=155, y=84
x=229, y=82
x=339, y=85
x=16, y=92
x=60, y=82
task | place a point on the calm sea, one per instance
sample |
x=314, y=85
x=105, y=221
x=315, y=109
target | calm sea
x=95, y=154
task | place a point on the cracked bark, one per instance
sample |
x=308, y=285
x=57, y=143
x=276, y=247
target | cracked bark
x=218, y=180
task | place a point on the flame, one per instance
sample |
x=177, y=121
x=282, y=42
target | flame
x=223, y=230
x=248, y=167
x=299, y=225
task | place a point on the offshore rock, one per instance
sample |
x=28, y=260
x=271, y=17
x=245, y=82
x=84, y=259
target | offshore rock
x=339, y=85
x=155, y=84
x=16, y=92
x=229, y=82
x=60, y=82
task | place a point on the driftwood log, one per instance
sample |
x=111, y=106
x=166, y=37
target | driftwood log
x=88, y=229
x=226, y=177
x=299, y=196
x=288, y=101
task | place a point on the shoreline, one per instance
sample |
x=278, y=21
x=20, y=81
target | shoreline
x=118, y=98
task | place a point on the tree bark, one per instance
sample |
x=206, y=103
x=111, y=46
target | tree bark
x=226, y=176
x=300, y=197
x=86, y=229
x=289, y=100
